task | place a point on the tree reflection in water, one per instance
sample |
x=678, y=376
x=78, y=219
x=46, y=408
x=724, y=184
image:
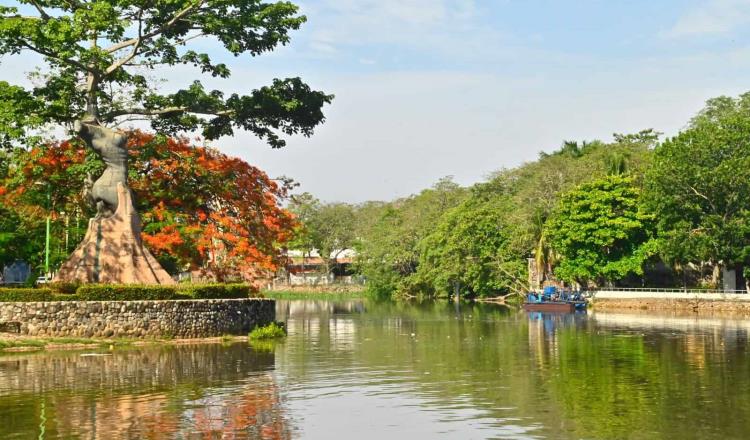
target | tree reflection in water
x=403, y=370
x=196, y=391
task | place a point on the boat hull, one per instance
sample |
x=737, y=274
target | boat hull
x=551, y=306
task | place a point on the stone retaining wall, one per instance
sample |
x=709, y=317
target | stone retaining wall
x=698, y=302
x=138, y=319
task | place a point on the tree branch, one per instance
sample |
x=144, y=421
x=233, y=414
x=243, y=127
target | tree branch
x=186, y=39
x=695, y=191
x=39, y=8
x=119, y=63
x=57, y=57
x=155, y=32
x=164, y=111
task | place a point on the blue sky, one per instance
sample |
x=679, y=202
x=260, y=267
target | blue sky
x=429, y=88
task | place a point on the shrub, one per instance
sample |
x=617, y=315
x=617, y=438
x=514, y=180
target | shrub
x=105, y=292
x=129, y=292
x=24, y=294
x=64, y=287
x=273, y=330
x=65, y=297
x=215, y=291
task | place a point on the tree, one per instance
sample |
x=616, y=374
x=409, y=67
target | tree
x=536, y=187
x=34, y=184
x=328, y=228
x=304, y=207
x=202, y=210
x=699, y=187
x=388, y=249
x=471, y=248
x=600, y=232
x=98, y=54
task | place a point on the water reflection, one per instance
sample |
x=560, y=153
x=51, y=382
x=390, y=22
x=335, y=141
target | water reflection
x=156, y=392
x=416, y=371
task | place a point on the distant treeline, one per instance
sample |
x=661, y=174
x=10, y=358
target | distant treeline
x=635, y=211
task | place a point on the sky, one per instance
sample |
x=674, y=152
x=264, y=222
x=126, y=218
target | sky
x=432, y=88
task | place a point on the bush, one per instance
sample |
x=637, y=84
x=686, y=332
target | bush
x=107, y=292
x=65, y=297
x=215, y=291
x=24, y=295
x=271, y=331
x=104, y=292
x=64, y=287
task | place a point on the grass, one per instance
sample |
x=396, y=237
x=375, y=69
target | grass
x=268, y=332
x=60, y=343
x=227, y=339
x=267, y=345
x=31, y=343
x=323, y=296
x=42, y=343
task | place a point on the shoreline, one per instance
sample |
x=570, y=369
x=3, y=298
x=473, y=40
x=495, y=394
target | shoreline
x=694, y=305
x=12, y=343
x=300, y=294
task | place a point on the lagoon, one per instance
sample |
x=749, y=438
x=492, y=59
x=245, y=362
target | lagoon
x=401, y=370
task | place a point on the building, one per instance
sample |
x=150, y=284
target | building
x=309, y=268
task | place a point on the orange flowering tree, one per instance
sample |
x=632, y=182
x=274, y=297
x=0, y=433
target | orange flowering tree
x=201, y=209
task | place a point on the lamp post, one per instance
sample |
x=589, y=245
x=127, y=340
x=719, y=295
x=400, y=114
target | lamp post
x=46, y=238
x=47, y=234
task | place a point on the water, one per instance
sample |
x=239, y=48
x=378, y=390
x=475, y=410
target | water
x=373, y=371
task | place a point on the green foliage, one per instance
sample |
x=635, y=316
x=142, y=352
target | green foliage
x=600, y=232
x=327, y=227
x=271, y=331
x=388, y=248
x=130, y=292
x=107, y=292
x=426, y=243
x=96, y=53
x=699, y=186
x=215, y=291
x=471, y=246
x=63, y=287
x=29, y=192
x=304, y=207
x=24, y=295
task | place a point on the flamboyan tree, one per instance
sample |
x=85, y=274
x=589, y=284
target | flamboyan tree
x=100, y=59
x=201, y=209
x=101, y=56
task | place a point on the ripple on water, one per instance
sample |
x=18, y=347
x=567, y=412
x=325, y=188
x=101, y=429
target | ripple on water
x=420, y=372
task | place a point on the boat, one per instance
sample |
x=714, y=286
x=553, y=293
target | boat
x=554, y=302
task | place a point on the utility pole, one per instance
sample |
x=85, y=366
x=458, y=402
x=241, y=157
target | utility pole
x=46, y=240
x=48, y=187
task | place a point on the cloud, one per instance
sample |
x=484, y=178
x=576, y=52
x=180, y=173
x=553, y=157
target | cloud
x=444, y=26
x=714, y=17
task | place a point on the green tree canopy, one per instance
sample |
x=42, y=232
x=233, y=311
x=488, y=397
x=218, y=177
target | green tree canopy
x=304, y=207
x=472, y=247
x=329, y=228
x=600, y=231
x=99, y=56
x=388, y=248
x=699, y=186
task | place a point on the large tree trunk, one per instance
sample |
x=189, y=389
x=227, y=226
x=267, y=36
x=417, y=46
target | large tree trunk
x=716, y=276
x=112, y=250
